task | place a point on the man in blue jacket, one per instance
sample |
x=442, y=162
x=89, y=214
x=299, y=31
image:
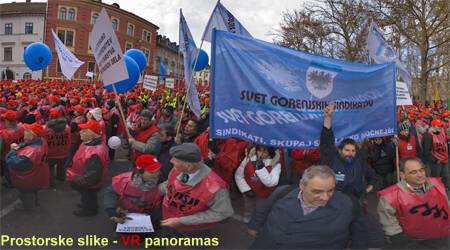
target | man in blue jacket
x=311, y=216
x=349, y=164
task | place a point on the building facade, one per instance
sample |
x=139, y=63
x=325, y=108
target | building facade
x=21, y=24
x=167, y=51
x=202, y=77
x=73, y=21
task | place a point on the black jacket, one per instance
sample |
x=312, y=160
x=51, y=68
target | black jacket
x=282, y=225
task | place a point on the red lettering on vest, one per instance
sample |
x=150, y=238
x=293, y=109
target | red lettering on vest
x=184, y=200
x=83, y=154
x=132, y=198
x=58, y=143
x=38, y=175
x=423, y=217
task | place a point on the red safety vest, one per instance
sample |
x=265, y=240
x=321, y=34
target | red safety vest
x=103, y=126
x=304, y=158
x=132, y=198
x=255, y=183
x=38, y=175
x=83, y=154
x=75, y=137
x=407, y=148
x=440, y=148
x=184, y=200
x=143, y=136
x=58, y=143
x=10, y=136
x=422, y=217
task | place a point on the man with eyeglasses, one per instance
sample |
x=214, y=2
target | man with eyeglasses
x=415, y=212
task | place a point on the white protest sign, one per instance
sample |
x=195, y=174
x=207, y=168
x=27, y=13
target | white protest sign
x=403, y=97
x=107, y=52
x=150, y=82
x=170, y=83
x=89, y=74
x=136, y=223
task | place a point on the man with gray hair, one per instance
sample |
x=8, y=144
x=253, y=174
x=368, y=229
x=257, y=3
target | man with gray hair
x=195, y=198
x=313, y=215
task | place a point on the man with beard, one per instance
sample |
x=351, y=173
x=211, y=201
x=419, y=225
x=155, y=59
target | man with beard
x=350, y=167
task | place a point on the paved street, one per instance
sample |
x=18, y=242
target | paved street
x=54, y=216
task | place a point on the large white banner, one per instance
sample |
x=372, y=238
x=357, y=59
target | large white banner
x=403, y=96
x=107, y=52
x=69, y=62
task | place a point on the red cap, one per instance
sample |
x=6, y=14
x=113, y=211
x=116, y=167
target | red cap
x=92, y=125
x=148, y=162
x=446, y=113
x=54, y=98
x=55, y=113
x=36, y=128
x=104, y=111
x=80, y=109
x=9, y=115
x=12, y=103
x=437, y=123
x=32, y=102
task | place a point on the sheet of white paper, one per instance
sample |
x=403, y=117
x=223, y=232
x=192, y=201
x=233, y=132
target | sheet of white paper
x=138, y=223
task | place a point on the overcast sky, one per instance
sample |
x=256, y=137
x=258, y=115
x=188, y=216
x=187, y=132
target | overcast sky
x=259, y=17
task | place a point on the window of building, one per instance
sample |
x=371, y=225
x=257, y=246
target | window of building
x=94, y=18
x=7, y=54
x=66, y=36
x=8, y=28
x=91, y=67
x=71, y=14
x=130, y=29
x=62, y=13
x=146, y=36
x=26, y=76
x=115, y=24
x=28, y=28
x=128, y=46
x=58, y=67
x=147, y=55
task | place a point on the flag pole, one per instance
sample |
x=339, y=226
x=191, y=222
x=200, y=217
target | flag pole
x=188, y=88
x=121, y=110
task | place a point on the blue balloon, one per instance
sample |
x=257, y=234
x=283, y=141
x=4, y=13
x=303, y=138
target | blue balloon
x=139, y=57
x=37, y=56
x=202, y=60
x=133, y=76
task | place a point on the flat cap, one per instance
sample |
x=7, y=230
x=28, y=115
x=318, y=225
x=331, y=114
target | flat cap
x=187, y=152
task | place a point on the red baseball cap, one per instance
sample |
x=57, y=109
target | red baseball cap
x=92, y=125
x=80, y=109
x=36, y=128
x=9, y=115
x=437, y=123
x=55, y=113
x=148, y=162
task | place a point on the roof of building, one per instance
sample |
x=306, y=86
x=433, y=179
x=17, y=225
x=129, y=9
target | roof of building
x=116, y=7
x=22, y=8
x=165, y=42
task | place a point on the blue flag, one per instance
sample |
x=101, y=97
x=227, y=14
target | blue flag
x=275, y=96
x=222, y=19
x=189, y=51
x=162, y=69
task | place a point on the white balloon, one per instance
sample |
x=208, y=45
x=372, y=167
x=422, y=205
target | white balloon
x=114, y=142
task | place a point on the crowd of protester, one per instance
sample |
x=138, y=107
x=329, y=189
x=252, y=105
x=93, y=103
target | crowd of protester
x=57, y=131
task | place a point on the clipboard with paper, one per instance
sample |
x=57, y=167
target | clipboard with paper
x=136, y=223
